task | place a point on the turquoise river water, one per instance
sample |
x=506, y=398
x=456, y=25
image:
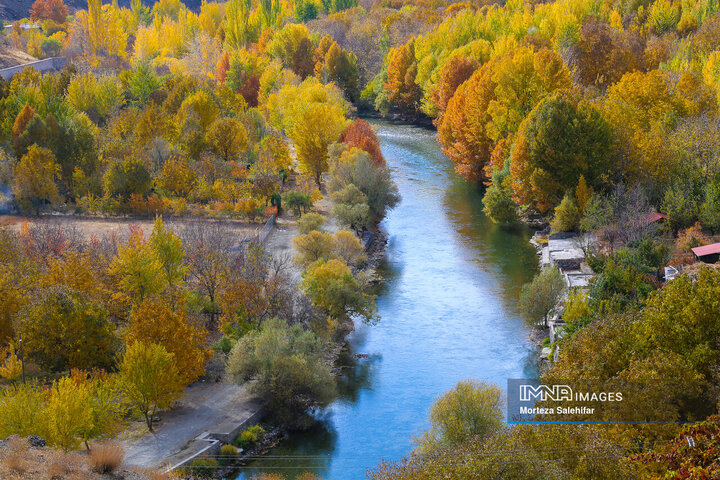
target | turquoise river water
x=447, y=312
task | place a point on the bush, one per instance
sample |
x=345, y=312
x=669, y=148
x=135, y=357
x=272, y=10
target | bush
x=106, y=457
x=224, y=345
x=289, y=369
x=227, y=452
x=309, y=222
x=250, y=436
x=202, y=467
x=499, y=206
x=567, y=216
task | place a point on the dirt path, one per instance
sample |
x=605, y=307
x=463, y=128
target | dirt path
x=205, y=407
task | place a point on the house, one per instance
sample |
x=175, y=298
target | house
x=707, y=253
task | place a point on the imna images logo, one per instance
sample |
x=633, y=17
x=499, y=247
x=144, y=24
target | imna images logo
x=544, y=393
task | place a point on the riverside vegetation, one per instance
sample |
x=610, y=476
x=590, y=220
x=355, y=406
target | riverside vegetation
x=594, y=114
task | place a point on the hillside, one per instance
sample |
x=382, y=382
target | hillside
x=11, y=10
x=10, y=56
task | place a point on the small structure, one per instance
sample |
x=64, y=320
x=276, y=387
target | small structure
x=654, y=217
x=672, y=272
x=707, y=253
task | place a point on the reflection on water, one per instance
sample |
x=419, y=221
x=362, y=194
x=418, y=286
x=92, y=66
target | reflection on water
x=448, y=312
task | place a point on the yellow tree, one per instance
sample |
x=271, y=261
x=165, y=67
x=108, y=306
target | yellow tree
x=35, y=177
x=138, y=269
x=68, y=412
x=11, y=368
x=227, y=138
x=315, y=127
x=149, y=379
x=157, y=320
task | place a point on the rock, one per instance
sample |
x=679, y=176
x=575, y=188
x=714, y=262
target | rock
x=36, y=441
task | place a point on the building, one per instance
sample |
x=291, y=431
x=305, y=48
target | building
x=707, y=253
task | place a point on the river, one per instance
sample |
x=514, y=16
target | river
x=447, y=312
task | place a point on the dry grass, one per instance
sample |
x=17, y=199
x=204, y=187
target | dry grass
x=62, y=465
x=16, y=458
x=106, y=457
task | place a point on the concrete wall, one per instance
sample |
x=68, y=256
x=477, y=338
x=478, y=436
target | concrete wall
x=46, y=65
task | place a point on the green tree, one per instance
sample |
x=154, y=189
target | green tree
x=498, y=205
x=149, y=379
x=710, y=208
x=567, y=216
x=351, y=208
x=296, y=201
x=142, y=82
x=288, y=367
x=540, y=296
x=357, y=168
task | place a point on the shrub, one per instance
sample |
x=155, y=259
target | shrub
x=250, y=436
x=567, y=216
x=106, y=457
x=202, y=467
x=227, y=452
x=309, y=222
x=499, y=206
x=289, y=369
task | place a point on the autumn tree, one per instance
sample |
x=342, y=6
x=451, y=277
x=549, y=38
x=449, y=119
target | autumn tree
x=313, y=246
x=471, y=409
x=258, y=287
x=227, y=138
x=68, y=412
x=11, y=368
x=54, y=10
x=332, y=288
x=176, y=177
x=137, y=268
x=149, y=379
x=309, y=222
x=403, y=93
x=492, y=103
x=349, y=248
x=158, y=320
x=168, y=249
x=207, y=253
x=315, y=128
x=62, y=329
x=360, y=134
x=456, y=71
x=35, y=177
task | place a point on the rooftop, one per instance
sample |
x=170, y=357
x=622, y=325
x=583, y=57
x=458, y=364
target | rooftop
x=706, y=249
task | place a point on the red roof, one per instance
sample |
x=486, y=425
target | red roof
x=654, y=217
x=707, y=249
